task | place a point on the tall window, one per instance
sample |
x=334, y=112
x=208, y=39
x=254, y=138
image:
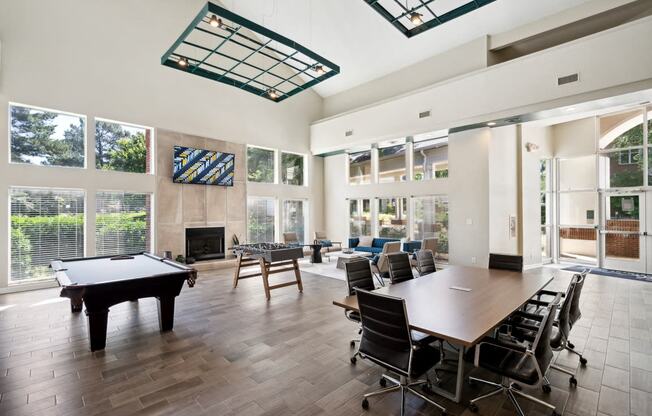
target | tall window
x=122, y=223
x=430, y=220
x=294, y=218
x=261, y=217
x=292, y=166
x=260, y=165
x=621, y=150
x=545, y=201
x=431, y=159
x=360, y=168
x=391, y=163
x=46, y=137
x=46, y=224
x=359, y=217
x=122, y=147
x=392, y=217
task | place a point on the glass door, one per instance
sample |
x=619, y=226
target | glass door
x=623, y=232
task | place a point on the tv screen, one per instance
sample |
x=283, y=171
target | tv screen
x=203, y=167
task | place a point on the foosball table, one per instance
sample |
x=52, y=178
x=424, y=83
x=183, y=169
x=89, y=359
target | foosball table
x=272, y=258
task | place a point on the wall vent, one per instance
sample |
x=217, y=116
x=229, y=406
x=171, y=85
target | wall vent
x=424, y=114
x=568, y=79
x=348, y=133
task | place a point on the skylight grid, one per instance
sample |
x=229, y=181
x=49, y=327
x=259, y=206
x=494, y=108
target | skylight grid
x=412, y=17
x=227, y=48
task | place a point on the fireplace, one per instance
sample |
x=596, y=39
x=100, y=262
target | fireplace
x=205, y=243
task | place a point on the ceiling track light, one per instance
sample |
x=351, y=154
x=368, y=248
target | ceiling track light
x=214, y=21
x=183, y=62
x=416, y=18
x=272, y=93
x=319, y=69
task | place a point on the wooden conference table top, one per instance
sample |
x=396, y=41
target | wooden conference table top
x=442, y=305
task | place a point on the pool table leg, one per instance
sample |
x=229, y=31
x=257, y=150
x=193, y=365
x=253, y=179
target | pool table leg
x=97, y=323
x=166, y=312
x=76, y=304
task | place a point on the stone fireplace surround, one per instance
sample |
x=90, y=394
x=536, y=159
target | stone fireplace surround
x=181, y=206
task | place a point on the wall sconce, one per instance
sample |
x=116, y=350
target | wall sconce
x=531, y=147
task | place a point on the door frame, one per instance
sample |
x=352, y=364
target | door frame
x=629, y=265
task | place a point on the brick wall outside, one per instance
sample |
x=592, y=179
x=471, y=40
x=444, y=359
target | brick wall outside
x=623, y=245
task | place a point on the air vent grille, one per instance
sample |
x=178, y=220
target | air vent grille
x=424, y=114
x=568, y=79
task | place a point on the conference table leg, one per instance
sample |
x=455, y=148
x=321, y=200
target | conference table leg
x=459, y=382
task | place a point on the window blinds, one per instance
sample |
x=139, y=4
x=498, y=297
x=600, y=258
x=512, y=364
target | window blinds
x=46, y=224
x=122, y=223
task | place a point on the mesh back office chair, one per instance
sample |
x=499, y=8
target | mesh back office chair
x=400, y=268
x=425, y=262
x=387, y=341
x=506, y=262
x=358, y=275
x=524, y=364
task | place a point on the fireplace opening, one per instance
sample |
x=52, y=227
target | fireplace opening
x=205, y=243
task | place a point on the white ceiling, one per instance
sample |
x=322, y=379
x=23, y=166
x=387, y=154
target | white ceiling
x=365, y=46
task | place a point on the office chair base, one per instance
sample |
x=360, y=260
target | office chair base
x=583, y=360
x=404, y=387
x=508, y=389
x=572, y=380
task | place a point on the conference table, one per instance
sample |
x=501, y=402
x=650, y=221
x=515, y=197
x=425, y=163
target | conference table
x=461, y=305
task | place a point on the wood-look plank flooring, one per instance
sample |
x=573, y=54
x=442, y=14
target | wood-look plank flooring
x=233, y=353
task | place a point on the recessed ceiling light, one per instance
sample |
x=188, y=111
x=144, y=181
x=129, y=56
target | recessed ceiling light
x=569, y=109
x=491, y=123
x=214, y=21
x=416, y=18
x=183, y=62
x=272, y=93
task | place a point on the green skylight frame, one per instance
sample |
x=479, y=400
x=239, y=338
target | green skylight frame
x=397, y=12
x=246, y=55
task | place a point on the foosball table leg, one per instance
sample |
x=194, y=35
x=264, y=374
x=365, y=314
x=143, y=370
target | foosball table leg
x=297, y=274
x=236, y=275
x=264, y=272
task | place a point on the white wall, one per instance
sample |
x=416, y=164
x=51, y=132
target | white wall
x=461, y=60
x=575, y=138
x=519, y=86
x=504, y=192
x=69, y=56
x=531, y=213
x=469, y=197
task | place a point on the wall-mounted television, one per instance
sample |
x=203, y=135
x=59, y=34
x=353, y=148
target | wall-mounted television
x=203, y=167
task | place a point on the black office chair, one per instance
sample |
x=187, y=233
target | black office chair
x=574, y=312
x=425, y=262
x=358, y=275
x=505, y=262
x=525, y=364
x=387, y=341
x=560, y=331
x=400, y=268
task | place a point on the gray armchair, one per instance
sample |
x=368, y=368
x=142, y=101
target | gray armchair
x=327, y=245
x=380, y=263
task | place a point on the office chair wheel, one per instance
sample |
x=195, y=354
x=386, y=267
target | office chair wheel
x=583, y=361
x=573, y=381
x=571, y=345
x=353, y=360
x=382, y=382
x=352, y=344
x=546, y=388
x=473, y=407
x=365, y=404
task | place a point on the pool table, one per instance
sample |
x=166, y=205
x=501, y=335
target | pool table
x=101, y=282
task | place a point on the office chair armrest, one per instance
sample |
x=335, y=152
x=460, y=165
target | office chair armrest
x=506, y=345
x=550, y=293
x=526, y=315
